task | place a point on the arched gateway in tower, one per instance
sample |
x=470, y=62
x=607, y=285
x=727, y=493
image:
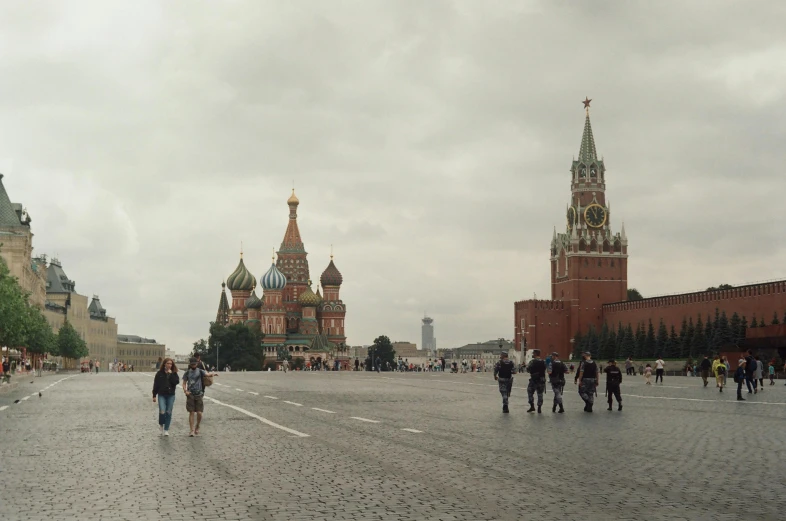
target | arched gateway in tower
x=294, y=319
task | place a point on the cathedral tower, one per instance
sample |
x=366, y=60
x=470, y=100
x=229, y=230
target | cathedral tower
x=240, y=283
x=292, y=262
x=332, y=311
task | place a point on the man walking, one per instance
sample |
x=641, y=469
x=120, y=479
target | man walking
x=195, y=391
x=705, y=369
x=739, y=377
x=587, y=379
x=613, y=381
x=503, y=374
x=537, y=380
x=750, y=367
x=659, y=364
x=629, y=366
x=357, y=364
x=557, y=373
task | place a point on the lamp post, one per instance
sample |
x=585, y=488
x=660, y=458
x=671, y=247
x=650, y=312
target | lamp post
x=218, y=346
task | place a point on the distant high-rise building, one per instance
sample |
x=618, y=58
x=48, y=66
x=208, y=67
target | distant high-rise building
x=429, y=342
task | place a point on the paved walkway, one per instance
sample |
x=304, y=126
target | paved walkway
x=393, y=446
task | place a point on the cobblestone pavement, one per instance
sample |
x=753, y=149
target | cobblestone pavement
x=313, y=446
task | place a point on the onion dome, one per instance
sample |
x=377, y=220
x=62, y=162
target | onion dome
x=308, y=297
x=253, y=301
x=273, y=279
x=331, y=276
x=241, y=279
x=319, y=295
x=293, y=199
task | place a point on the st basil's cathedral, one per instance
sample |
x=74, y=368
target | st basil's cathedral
x=291, y=315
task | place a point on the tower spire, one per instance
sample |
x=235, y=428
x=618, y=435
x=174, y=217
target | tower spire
x=587, y=152
x=222, y=316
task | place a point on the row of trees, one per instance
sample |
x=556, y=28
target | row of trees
x=24, y=326
x=709, y=335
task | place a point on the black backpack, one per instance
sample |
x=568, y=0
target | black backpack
x=721, y=369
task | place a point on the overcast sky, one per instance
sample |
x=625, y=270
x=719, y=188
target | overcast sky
x=429, y=142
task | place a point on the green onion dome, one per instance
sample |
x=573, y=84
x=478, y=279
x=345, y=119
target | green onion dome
x=241, y=279
x=253, y=302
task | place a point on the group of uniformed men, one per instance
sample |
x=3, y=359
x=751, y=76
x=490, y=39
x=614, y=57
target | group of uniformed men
x=587, y=379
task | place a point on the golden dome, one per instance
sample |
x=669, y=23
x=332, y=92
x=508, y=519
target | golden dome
x=293, y=198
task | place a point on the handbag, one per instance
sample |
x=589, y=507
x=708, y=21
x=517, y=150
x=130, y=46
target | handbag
x=207, y=380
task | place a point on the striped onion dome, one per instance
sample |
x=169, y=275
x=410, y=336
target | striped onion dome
x=241, y=279
x=308, y=297
x=253, y=302
x=273, y=279
x=331, y=276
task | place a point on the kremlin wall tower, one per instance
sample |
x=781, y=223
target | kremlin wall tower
x=290, y=314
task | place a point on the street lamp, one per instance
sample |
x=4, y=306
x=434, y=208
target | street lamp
x=218, y=346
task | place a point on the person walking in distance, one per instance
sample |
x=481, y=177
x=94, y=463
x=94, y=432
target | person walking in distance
x=613, y=381
x=659, y=363
x=648, y=374
x=739, y=378
x=557, y=372
x=629, y=366
x=758, y=373
x=750, y=368
x=705, y=367
x=719, y=370
x=165, y=384
x=194, y=388
x=772, y=372
x=587, y=379
x=503, y=374
x=537, y=380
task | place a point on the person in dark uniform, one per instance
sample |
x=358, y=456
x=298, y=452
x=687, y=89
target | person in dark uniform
x=613, y=381
x=587, y=379
x=503, y=374
x=537, y=380
x=557, y=373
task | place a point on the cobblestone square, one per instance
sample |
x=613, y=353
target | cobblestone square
x=313, y=446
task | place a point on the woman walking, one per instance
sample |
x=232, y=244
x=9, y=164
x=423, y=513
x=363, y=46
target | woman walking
x=648, y=374
x=164, y=385
x=759, y=372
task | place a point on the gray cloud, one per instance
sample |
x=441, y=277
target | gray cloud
x=429, y=143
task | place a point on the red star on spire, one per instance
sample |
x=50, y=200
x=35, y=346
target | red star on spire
x=586, y=102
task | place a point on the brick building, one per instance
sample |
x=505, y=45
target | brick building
x=589, y=274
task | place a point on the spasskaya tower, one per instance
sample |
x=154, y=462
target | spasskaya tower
x=589, y=261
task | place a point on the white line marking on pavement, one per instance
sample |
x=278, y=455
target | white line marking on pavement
x=252, y=392
x=33, y=395
x=412, y=430
x=364, y=419
x=293, y=403
x=241, y=390
x=25, y=398
x=701, y=400
x=260, y=418
x=4, y=407
x=271, y=397
x=323, y=410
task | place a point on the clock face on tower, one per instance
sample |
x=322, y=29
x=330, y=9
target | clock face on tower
x=595, y=215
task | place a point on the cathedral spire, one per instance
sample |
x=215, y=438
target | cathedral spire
x=222, y=317
x=587, y=152
x=292, y=242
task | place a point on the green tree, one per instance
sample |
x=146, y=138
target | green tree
x=41, y=339
x=734, y=325
x=13, y=310
x=238, y=345
x=650, y=344
x=633, y=294
x=743, y=330
x=640, y=342
x=674, y=343
x=775, y=320
x=577, y=343
x=722, y=336
x=662, y=340
x=628, y=343
x=708, y=329
x=684, y=345
x=699, y=342
x=69, y=343
x=383, y=349
x=754, y=323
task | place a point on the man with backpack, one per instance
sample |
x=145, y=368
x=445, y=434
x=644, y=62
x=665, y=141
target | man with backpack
x=613, y=381
x=587, y=379
x=557, y=373
x=705, y=369
x=739, y=377
x=750, y=367
x=719, y=371
x=503, y=374
x=194, y=383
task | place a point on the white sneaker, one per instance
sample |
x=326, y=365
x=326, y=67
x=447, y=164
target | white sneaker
x=160, y=430
x=166, y=433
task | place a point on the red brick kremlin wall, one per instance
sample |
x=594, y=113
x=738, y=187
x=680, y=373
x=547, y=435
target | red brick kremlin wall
x=545, y=324
x=761, y=300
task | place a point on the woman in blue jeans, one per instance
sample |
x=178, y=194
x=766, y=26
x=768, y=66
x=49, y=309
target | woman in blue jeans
x=164, y=385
